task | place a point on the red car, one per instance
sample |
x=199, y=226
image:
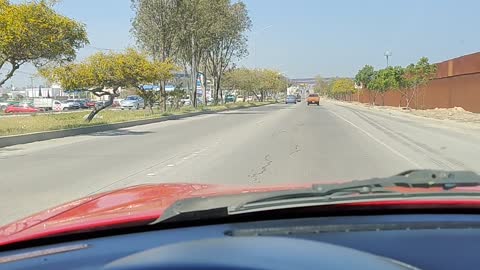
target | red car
x=91, y=104
x=409, y=221
x=21, y=109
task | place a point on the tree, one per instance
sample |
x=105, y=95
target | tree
x=103, y=74
x=364, y=76
x=257, y=82
x=229, y=42
x=321, y=85
x=343, y=87
x=416, y=76
x=155, y=27
x=33, y=32
x=196, y=30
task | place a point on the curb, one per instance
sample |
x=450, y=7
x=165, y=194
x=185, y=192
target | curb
x=49, y=135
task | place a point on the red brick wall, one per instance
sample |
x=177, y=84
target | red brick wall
x=457, y=85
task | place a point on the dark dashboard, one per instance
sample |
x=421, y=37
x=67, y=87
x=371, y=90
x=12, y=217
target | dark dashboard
x=425, y=241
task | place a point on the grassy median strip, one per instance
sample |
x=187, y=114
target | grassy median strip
x=49, y=122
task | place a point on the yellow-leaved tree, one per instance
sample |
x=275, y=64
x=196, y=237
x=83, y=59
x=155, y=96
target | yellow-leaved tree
x=32, y=32
x=103, y=74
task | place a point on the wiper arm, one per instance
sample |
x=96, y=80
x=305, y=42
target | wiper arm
x=367, y=189
x=222, y=206
x=415, y=178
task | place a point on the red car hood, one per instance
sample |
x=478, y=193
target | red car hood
x=138, y=204
x=134, y=205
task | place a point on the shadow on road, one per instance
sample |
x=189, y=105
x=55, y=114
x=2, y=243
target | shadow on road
x=119, y=133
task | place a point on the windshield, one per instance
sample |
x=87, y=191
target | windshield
x=197, y=94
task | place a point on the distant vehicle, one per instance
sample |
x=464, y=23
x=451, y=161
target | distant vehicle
x=132, y=102
x=21, y=109
x=72, y=104
x=4, y=105
x=230, y=98
x=240, y=99
x=82, y=103
x=313, y=99
x=250, y=98
x=49, y=104
x=186, y=101
x=291, y=99
x=91, y=103
x=299, y=98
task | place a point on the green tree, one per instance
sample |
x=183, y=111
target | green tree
x=229, y=42
x=103, y=74
x=32, y=32
x=416, y=76
x=155, y=27
x=364, y=76
x=196, y=30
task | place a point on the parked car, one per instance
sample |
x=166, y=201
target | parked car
x=70, y=104
x=230, y=98
x=313, y=99
x=4, y=105
x=21, y=108
x=82, y=103
x=291, y=99
x=240, y=99
x=186, y=101
x=91, y=103
x=132, y=102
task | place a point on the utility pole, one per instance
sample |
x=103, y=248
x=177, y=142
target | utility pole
x=31, y=81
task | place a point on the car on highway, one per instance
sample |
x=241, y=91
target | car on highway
x=132, y=102
x=393, y=223
x=291, y=99
x=21, y=108
x=299, y=98
x=313, y=99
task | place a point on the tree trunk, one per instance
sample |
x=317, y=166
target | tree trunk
x=194, y=75
x=205, y=87
x=96, y=110
x=163, y=93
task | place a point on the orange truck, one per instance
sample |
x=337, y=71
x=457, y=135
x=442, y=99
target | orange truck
x=313, y=99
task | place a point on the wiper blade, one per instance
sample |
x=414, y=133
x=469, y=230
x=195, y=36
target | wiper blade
x=203, y=208
x=414, y=178
x=366, y=189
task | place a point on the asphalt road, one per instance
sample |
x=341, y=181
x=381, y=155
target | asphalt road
x=268, y=145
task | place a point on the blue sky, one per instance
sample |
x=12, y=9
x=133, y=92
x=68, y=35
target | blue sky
x=304, y=38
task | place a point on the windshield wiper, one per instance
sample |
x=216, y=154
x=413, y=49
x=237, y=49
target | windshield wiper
x=354, y=191
x=369, y=189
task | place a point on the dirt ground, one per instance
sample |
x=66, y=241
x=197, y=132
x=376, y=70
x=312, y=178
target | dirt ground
x=457, y=114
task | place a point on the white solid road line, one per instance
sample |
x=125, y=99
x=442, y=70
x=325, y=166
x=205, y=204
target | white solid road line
x=377, y=140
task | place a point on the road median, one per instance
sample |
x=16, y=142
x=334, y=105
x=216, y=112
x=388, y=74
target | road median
x=15, y=131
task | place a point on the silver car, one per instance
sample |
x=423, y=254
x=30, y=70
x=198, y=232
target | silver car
x=132, y=102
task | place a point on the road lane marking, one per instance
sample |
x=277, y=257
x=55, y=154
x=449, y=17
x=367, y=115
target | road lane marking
x=377, y=140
